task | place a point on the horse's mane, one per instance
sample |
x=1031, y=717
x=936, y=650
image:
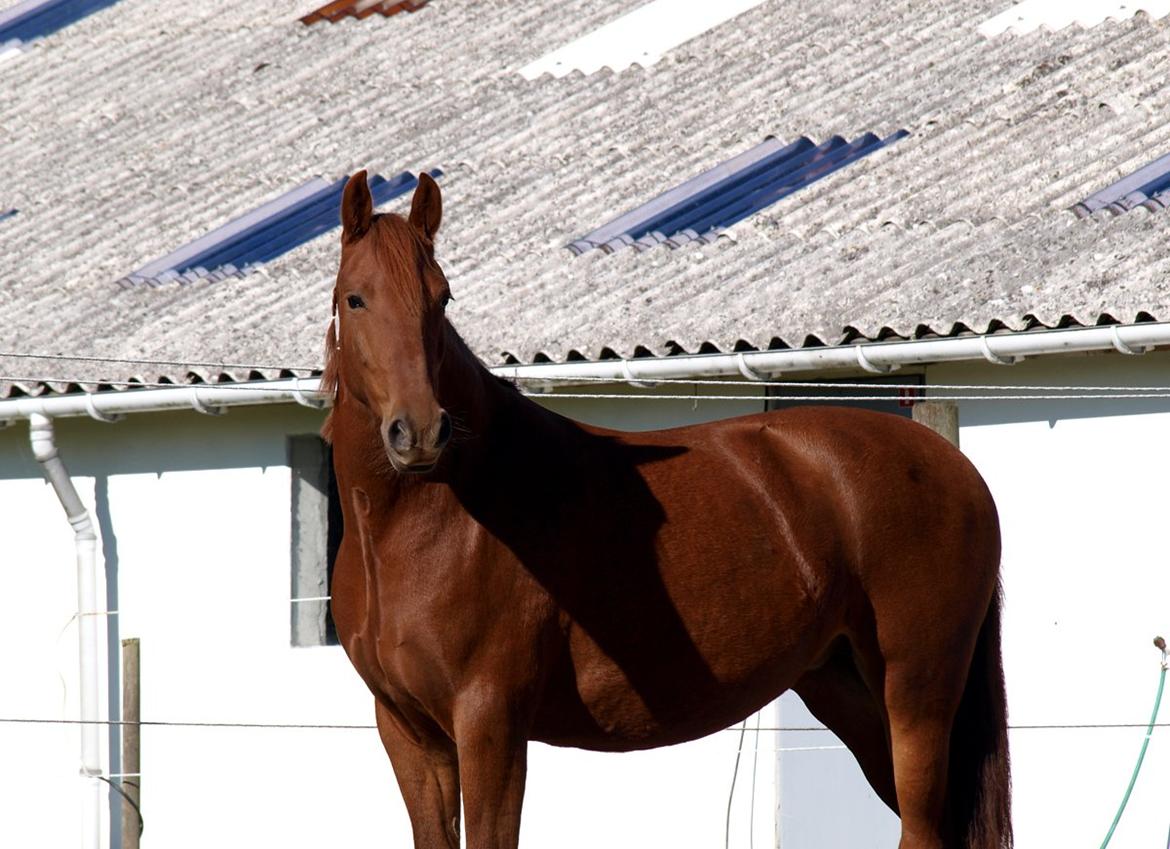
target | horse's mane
x=330, y=373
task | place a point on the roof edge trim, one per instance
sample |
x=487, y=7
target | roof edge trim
x=1003, y=348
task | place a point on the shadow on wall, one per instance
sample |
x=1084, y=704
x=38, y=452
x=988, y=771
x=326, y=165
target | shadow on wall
x=1054, y=411
x=1093, y=374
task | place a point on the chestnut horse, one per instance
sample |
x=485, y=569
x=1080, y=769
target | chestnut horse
x=507, y=574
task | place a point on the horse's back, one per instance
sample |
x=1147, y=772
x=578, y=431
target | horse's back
x=873, y=495
x=869, y=466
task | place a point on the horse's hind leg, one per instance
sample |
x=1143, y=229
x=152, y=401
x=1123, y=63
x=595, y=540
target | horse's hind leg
x=837, y=695
x=926, y=660
x=922, y=703
x=427, y=770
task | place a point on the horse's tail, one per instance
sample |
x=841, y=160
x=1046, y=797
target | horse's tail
x=980, y=787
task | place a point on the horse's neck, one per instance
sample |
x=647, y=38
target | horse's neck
x=492, y=418
x=469, y=393
x=475, y=399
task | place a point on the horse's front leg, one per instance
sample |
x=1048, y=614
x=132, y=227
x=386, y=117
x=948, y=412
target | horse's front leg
x=427, y=769
x=493, y=761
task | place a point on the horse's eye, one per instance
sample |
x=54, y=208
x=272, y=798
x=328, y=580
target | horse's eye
x=446, y=299
x=355, y=302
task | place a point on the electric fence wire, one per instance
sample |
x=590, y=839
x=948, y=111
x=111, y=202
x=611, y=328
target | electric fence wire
x=1022, y=393
x=731, y=793
x=529, y=378
x=82, y=358
x=1081, y=726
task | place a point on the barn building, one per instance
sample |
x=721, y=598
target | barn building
x=655, y=213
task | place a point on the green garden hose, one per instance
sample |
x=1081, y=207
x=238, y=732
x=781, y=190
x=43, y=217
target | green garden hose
x=1161, y=644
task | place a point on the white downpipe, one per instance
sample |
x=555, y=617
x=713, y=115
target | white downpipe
x=877, y=357
x=85, y=541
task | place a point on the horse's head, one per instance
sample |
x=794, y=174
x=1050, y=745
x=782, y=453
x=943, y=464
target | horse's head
x=387, y=337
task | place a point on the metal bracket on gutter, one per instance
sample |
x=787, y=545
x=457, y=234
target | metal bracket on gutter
x=877, y=357
x=747, y=371
x=868, y=364
x=98, y=415
x=993, y=357
x=200, y=407
x=629, y=376
x=300, y=397
x=1120, y=345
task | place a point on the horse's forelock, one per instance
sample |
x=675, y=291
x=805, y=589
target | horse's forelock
x=402, y=251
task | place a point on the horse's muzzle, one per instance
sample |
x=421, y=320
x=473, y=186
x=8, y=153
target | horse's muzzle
x=412, y=452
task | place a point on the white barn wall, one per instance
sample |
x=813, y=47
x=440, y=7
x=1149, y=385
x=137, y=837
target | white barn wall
x=199, y=506
x=195, y=521
x=40, y=793
x=1080, y=487
x=198, y=527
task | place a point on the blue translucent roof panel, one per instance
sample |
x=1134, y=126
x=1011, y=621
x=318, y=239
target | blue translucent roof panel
x=36, y=18
x=1148, y=187
x=703, y=206
x=266, y=232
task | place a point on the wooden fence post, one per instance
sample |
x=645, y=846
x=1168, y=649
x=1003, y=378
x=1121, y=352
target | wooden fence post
x=131, y=762
x=940, y=416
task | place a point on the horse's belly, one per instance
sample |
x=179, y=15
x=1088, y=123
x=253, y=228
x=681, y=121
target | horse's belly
x=593, y=702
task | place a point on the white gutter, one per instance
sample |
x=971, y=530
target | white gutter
x=85, y=542
x=204, y=398
x=876, y=357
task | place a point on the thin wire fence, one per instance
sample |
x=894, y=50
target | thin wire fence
x=969, y=392
x=1066, y=391
x=1087, y=726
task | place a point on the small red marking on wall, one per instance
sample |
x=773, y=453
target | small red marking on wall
x=909, y=396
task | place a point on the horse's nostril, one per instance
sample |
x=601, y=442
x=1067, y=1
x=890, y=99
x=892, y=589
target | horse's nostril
x=444, y=429
x=399, y=435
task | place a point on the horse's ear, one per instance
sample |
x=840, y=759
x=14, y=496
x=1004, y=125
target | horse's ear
x=357, y=208
x=426, y=210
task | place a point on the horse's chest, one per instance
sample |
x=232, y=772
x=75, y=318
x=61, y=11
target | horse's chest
x=395, y=623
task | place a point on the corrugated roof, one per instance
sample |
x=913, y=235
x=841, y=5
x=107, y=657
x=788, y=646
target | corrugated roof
x=1147, y=187
x=274, y=228
x=333, y=12
x=38, y=18
x=706, y=205
x=964, y=225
